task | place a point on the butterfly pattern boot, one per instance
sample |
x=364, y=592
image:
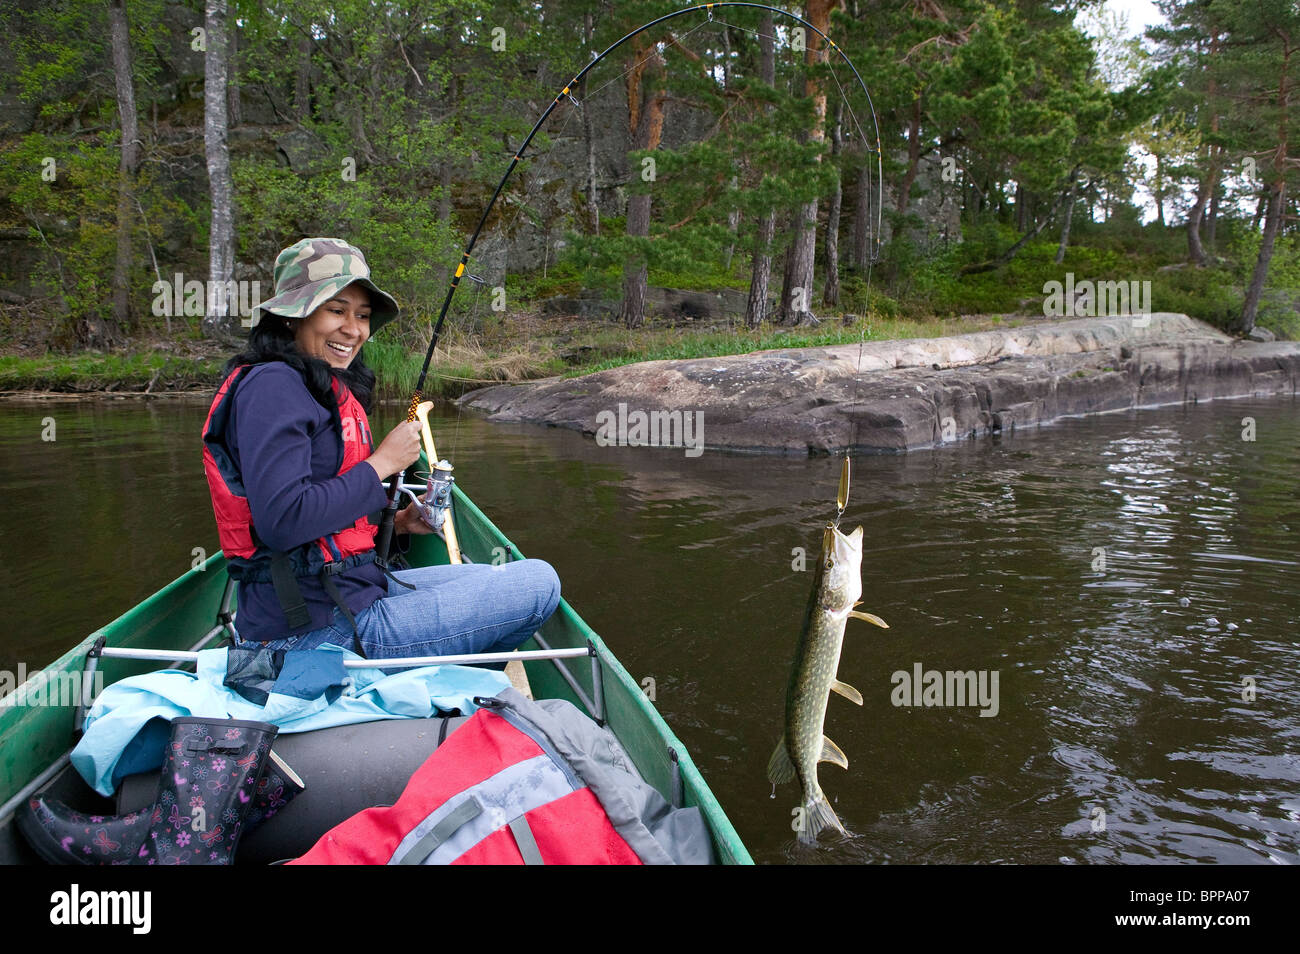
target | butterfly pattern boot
x=209, y=789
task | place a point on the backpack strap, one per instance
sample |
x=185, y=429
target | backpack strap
x=464, y=813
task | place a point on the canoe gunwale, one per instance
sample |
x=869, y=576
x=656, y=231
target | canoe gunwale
x=35, y=740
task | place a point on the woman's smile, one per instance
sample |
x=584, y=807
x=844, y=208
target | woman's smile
x=336, y=330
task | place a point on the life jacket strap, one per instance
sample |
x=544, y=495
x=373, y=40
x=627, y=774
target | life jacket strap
x=288, y=592
x=327, y=573
x=389, y=573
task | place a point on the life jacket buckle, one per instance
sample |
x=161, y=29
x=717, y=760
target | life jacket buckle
x=334, y=567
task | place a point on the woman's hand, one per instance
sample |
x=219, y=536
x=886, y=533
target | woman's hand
x=408, y=520
x=398, y=450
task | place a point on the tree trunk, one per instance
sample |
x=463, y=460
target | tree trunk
x=1261, y=208
x=761, y=271
x=1212, y=221
x=1160, y=190
x=1276, y=205
x=445, y=167
x=861, y=210
x=800, y=262
x=1206, y=185
x=1069, y=217
x=1195, y=250
x=444, y=193
x=234, y=105
x=733, y=226
x=100, y=332
x=589, y=139
x=761, y=276
x=302, y=80
x=1272, y=222
x=831, y=294
x=913, y=157
x=219, y=320
x=646, y=122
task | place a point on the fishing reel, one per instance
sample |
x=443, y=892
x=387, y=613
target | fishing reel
x=436, y=504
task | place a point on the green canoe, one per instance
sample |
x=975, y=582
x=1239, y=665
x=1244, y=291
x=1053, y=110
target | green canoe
x=35, y=739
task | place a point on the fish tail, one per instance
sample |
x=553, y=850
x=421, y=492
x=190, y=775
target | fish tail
x=818, y=815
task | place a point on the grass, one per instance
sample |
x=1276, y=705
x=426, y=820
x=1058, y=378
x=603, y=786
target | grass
x=465, y=362
x=913, y=294
x=659, y=343
x=529, y=346
x=149, y=371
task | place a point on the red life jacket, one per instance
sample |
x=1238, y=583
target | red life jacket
x=247, y=558
x=490, y=794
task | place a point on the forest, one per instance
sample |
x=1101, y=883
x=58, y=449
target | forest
x=728, y=179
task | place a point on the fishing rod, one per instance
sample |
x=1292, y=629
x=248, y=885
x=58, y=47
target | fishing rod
x=384, y=541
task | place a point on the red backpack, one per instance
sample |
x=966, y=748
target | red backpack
x=522, y=783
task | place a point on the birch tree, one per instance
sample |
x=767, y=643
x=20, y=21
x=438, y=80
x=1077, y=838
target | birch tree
x=108, y=332
x=219, y=321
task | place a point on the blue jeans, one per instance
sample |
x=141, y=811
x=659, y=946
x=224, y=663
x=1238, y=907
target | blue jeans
x=468, y=608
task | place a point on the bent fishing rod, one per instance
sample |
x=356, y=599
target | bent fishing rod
x=384, y=541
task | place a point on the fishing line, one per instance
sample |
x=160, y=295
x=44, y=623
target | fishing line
x=386, y=527
x=654, y=51
x=876, y=232
x=707, y=8
x=825, y=53
x=507, y=224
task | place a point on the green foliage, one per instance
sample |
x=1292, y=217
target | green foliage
x=396, y=367
x=428, y=114
x=150, y=371
x=72, y=218
x=398, y=231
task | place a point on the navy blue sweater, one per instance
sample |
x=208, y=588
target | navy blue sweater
x=288, y=451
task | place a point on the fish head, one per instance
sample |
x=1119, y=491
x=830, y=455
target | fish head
x=842, y=568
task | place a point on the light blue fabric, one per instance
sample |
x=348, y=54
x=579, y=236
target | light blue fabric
x=124, y=708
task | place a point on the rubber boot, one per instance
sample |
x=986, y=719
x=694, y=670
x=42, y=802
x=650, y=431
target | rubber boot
x=209, y=792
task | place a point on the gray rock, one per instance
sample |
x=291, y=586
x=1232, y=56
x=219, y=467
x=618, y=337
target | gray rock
x=886, y=396
x=581, y=307
x=673, y=304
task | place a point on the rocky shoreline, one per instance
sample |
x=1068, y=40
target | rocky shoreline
x=892, y=396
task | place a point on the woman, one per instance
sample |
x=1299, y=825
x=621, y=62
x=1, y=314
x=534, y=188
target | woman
x=297, y=486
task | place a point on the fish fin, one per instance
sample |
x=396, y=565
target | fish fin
x=847, y=691
x=818, y=815
x=876, y=620
x=779, y=767
x=832, y=753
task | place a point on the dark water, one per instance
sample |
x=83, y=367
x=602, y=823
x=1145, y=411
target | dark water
x=1159, y=692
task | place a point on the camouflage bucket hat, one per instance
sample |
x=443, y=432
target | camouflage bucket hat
x=311, y=272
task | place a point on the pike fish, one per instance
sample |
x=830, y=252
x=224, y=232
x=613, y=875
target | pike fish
x=835, y=592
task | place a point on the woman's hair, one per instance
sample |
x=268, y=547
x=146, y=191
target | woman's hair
x=272, y=340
